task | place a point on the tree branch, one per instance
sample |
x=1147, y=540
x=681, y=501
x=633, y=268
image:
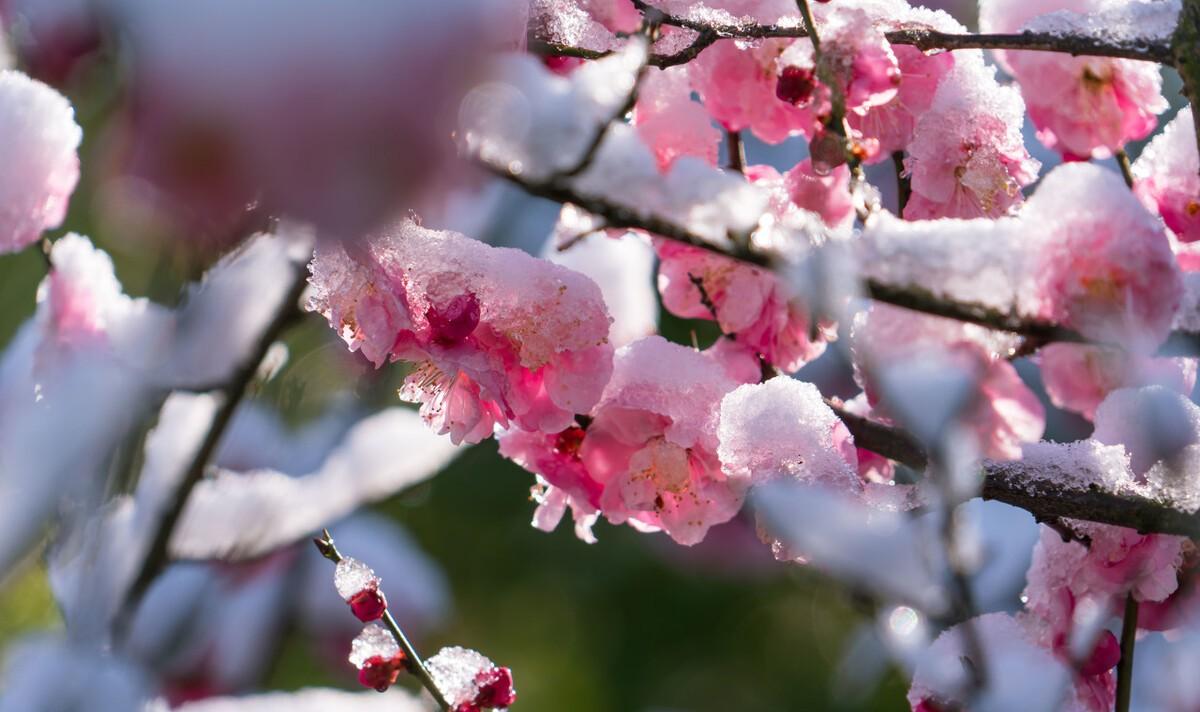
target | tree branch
x=1030, y=488
x=1125, y=666
x=925, y=39
x=157, y=557
x=416, y=665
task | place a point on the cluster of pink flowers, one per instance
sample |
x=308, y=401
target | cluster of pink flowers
x=1083, y=107
x=499, y=337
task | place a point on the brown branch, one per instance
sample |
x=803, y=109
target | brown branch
x=1040, y=493
x=737, y=151
x=157, y=557
x=1125, y=666
x=925, y=39
x=618, y=216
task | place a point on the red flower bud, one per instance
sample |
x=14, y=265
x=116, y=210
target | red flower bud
x=795, y=85
x=368, y=604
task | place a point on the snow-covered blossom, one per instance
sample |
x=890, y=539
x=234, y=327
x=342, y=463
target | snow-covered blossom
x=1018, y=673
x=1078, y=377
x=648, y=456
x=1083, y=107
x=670, y=122
x=499, y=337
x=967, y=158
x=1101, y=262
x=358, y=585
x=470, y=681
x=39, y=140
x=748, y=301
x=1002, y=412
x=891, y=125
x=783, y=429
x=377, y=656
x=855, y=54
x=1167, y=177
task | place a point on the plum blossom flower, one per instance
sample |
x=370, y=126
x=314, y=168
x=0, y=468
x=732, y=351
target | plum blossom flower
x=738, y=84
x=39, y=140
x=967, y=158
x=1003, y=413
x=1101, y=263
x=670, y=122
x=358, y=585
x=891, y=124
x=648, y=454
x=500, y=337
x=826, y=195
x=749, y=302
x=470, y=681
x=854, y=54
x=1069, y=582
x=1079, y=377
x=1083, y=107
x=1167, y=177
x=378, y=657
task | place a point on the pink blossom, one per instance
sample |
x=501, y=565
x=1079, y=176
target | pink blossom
x=892, y=124
x=1084, y=107
x=967, y=158
x=648, y=453
x=1079, y=377
x=615, y=15
x=499, y=337
x=826, y=195
x=1003, y=413
x=39, y=140
x=1102, y=264
x=737, y=83
x=653, y=442
x=1167, y=177
x=1118, y=561
x=670, y=122
x=749, y=302
x=856, y=55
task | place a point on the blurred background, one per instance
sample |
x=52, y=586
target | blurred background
x=633, y=622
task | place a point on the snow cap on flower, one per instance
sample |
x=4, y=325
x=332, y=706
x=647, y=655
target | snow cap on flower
x=358, y=585
x=39, y=140
x=652, y=442
x=377, y=656
x=499, y=337
x=783, y=428
x=967, y=158
x=471, y=682
x=1083, y=107
x=1102, y=264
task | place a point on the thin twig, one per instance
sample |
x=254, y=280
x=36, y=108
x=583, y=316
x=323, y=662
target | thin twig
x=1125, y=667
x=1126, y=168
x=737, y=151
x=903, y=182
x=910, y=296
x=157, y=557
x=416, y=665
x=1046, y=494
